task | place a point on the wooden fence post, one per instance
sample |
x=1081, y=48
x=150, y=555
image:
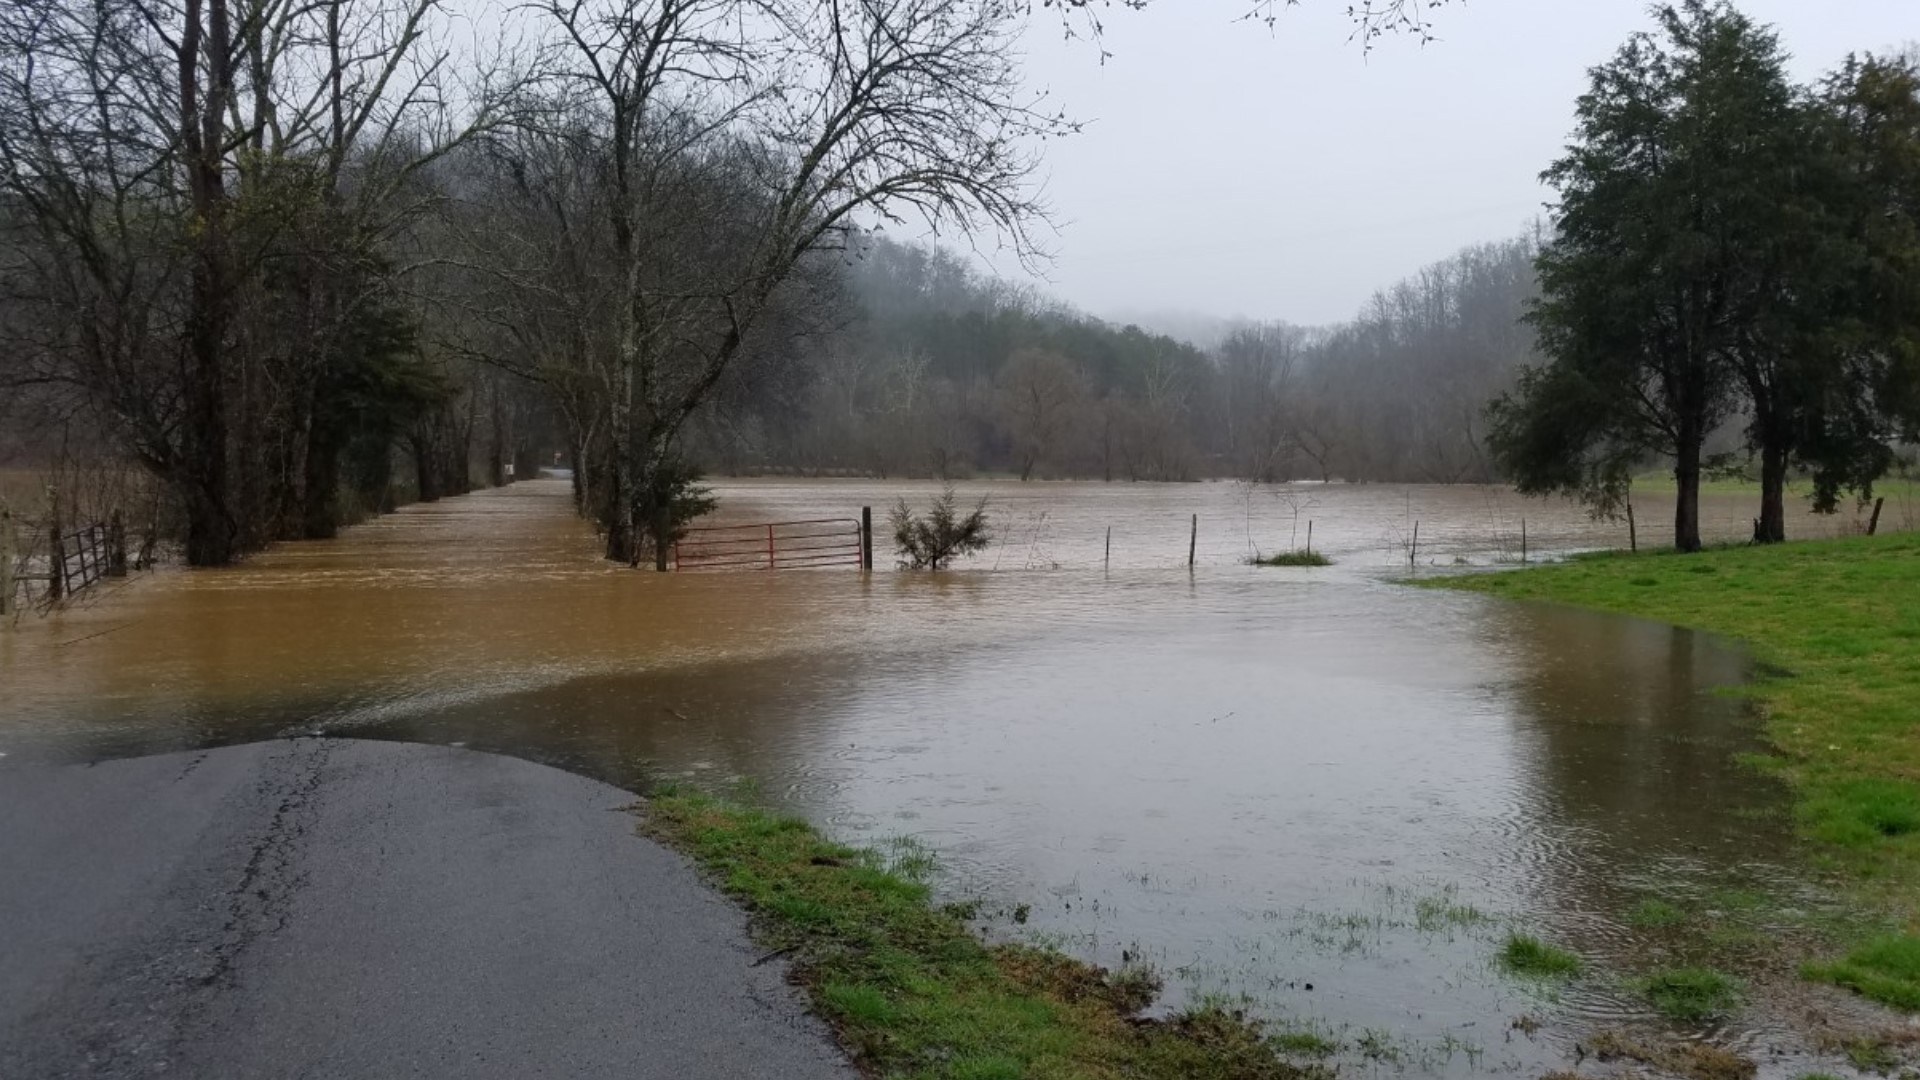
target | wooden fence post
x=1873, y=523
x=866, y=538
x=56, y=554
x=1309, y=536
x=1413, y=549
x=6, y=560
x=116, y=545
x=1633, y=532
x=1106, y=563
x=1193, y=540
x=1523, y=541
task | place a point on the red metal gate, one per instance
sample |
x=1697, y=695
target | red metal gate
x=780, y=545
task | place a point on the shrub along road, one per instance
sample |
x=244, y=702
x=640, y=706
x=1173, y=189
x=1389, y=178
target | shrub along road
x=1836, y=624
x=345, y=908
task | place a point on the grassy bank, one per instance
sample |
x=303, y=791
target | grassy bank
x=1661, y=482
x=914, y=993
x=1837, y=625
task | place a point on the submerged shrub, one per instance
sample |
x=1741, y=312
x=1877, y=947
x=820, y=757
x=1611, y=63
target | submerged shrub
x=928, y=543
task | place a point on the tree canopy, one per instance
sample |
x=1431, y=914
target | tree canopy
x=1726, y=243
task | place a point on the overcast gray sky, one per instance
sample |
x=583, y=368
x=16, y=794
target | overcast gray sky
x=1236, y=172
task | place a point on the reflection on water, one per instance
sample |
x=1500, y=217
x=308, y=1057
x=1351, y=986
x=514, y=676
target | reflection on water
x=1325, y=791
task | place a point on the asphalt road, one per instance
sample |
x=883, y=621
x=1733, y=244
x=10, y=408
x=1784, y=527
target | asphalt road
x=343, y=908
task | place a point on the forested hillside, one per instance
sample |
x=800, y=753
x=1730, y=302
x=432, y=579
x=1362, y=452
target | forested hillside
x=932, y=368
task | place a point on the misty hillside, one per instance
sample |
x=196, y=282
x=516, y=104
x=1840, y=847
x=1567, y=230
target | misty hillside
x=927, y=367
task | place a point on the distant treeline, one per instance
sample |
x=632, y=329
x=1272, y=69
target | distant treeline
x=933, y=369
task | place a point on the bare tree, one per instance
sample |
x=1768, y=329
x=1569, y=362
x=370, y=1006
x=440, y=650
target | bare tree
x=725, y=142
x=1257, y=369
x=1040, y=391
x=167, y=165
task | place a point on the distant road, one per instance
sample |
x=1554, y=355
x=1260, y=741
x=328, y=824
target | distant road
x=334, y=908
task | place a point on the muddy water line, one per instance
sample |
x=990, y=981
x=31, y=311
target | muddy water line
x=1321, y=790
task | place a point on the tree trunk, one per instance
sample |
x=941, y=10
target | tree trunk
x=617, y=513
x=1686, y=503
x=662, y=537
x=1773, y=495
x=210, y=525
x=577, y=468
x=320, y=495
x=426, y=476
x=497, y=444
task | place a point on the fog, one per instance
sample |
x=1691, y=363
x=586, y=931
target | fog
x=1233, y=171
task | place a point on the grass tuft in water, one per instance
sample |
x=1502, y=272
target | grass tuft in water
x=1690, y=994
x=1292, y=558
x=1655, y=914
x=912, y=992
x=1303, y=1042
x=1527, y=955
x=1870, y=1056
x=1697, y=1061
x=1443, y=912
x=1886, y=969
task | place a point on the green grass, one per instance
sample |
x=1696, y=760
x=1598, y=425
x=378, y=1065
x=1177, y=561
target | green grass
x=1525, y=955
x=1836, y=623
x=1304, y=1043
x=1660, y=482
x=1886, y=969
x=1690, y=994
x=1654, y=914
x=1870, y=1056
x=1442, y=912
x=1293, y=558
x=914, y=994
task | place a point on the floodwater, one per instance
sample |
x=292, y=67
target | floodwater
x=1321, y=790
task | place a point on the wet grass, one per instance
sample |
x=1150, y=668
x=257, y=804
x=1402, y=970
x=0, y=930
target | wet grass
x=1527, y=955
x=1690, y=994
x=1655, y=914
x=1442, y=911
x=1799, y=488
x=1303, y=1042
x=1293, y=558
x=913, y=993
x=1835, y=625
x=1885, y=969
x=1883, y=1050
x=1698, y=1061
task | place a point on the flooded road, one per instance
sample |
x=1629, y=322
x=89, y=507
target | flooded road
x=1315, y=788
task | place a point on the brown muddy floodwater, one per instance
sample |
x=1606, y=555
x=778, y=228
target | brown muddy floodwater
x=1318, y=789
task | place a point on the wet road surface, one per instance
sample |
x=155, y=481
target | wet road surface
x=343, y=908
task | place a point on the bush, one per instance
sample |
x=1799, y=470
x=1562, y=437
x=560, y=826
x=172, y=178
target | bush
x=666, y=502
x=931, y=542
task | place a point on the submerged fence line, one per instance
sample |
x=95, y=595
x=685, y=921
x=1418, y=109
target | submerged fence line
x=72, y=560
